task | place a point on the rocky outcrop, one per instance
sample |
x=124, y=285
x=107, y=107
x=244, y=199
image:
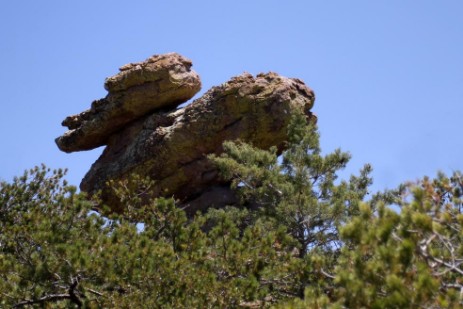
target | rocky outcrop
x=171, y=145
x=162, y=81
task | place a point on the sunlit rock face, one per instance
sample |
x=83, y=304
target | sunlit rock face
x=146, y=134
x=160, y=82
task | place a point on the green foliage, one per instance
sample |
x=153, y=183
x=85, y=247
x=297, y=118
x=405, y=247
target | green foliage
x=407, y=259
x=301, y=238
x=300, y=193
x=55, y=251
x=39, y=254
x=412, y=258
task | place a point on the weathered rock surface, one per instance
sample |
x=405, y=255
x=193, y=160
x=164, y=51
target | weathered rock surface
x=171, y=146
x=160, y=82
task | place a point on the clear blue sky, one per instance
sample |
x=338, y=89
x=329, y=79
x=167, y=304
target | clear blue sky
x=388, y=75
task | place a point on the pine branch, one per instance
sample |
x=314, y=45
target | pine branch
x=72, y=296
x=52, y=297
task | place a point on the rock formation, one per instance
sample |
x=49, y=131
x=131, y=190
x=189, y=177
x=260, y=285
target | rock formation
x=146, y=135
x=161, y=82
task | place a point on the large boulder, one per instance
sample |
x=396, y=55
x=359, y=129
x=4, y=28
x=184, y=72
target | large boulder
x=171, y=146
x=160, y=82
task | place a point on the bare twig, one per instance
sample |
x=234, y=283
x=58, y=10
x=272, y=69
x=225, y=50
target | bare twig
x=51, y=297
x=95, y=292
x=326, y=274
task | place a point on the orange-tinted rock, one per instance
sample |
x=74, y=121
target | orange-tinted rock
x=160, y=82
x=172, y=147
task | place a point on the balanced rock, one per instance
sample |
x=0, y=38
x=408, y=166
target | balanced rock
x=160, y=82
x=171, y=146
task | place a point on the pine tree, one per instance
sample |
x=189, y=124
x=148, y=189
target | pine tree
x=299, y=196
x=406, y=258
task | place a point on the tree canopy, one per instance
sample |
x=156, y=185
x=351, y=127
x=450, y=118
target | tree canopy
x=300, y=238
